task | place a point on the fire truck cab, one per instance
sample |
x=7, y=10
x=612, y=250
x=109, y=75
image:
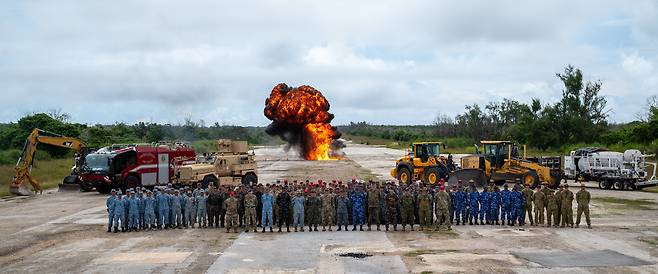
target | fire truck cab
x=148, y=166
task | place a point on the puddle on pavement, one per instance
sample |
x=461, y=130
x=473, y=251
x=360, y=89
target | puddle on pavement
x=357, y=255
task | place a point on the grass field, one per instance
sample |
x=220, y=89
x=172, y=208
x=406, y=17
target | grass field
x=47, y=172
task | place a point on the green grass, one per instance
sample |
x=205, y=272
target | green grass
x=639, y=204
x=653, y=241
x=48, y=173
x=653, y=189
x=420, y=252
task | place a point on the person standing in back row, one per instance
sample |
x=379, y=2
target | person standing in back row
x=582, y=198
x=567, y=211
x=539, y=200
x=527, y=206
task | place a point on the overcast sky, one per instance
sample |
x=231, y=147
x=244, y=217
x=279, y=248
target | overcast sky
x=385, y=62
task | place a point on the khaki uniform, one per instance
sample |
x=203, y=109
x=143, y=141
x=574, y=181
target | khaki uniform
x=582, y=198
x=407, y=211
x=539, y=199
x=250, y=203
x=567, y=211
x=558, y=197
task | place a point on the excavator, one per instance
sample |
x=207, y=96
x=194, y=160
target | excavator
x=24, y=163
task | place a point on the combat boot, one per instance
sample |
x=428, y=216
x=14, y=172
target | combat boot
x=271, y=229
x=412, y=227
x=310, y=228
x=378, y=228
x=330, y=228
x=287, y=229
x=316, y=228
x=263, y=231
x=346, y=228
x=476, y=222
x=116, y=230
x=470, y=222
x=457, y=222
x=497, y=223
x=279, y=230
x=577, y=226
x=295, y=229
x=109, y=229
x=369, y=228
x=339, y=228
x=395, y=227
x=235, y=230
x=324, y=228
x=404, y=228
x=386, y=227
x=589, y=226
x=354, y=228
x=228, y=230
x=361, y=228
x=301, y=229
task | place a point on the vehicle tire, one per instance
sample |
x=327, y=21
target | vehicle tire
x=432, y=175
x=530, y=179
x=608, y=184
x=601, y=184
x=209, y=180
x=249, y=178
x=132, y=182
x=618, y=185
x=404, y=175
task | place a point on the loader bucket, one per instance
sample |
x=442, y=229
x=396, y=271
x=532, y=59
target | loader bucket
x=466, y=175
x=69, y=184
x=20, y=190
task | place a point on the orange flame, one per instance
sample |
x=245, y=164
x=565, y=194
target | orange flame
x=306, y=109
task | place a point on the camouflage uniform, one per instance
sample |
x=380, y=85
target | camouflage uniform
x=441, y=207
x=539, y=199
x=425, y=209
x=231, y=206
x=567, y=211
x=527, y=209
x=407, y=211
x=312, y=208
x=250, y=203
x=328, y=208
x=373, y=207
x=551, y=206
x=391, y=209
x=582, y=198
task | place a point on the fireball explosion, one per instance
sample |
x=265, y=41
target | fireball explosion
x=300, y=116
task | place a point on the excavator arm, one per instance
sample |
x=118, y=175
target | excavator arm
x=24, y=163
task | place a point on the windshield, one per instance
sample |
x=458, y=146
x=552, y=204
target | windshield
x=97, y=162
x=433, y=149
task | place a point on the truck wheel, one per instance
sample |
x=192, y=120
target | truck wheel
x=530, y=179
x=404, y=175
x=432, y=175
x=249, y=179
x=601, y=183
x=209, y=180
x=132, y=182
x=618, y=185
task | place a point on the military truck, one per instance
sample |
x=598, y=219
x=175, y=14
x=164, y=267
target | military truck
x=231, y=164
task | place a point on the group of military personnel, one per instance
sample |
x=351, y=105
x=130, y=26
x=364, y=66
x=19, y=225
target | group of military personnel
x=328, y=204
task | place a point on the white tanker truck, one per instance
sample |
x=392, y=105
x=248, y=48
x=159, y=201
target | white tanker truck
x=611, y=169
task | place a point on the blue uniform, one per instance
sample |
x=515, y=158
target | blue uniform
x=176, y=210
x=473, y=205
x=149, y=211
x=142, y=209
x=190, y=210
x=506, y=205
x=298, y=211
x=484, y=206
x=133, y=212
x=119, y=213
x=109, y=203
x=494, y=206
x=267, y=200
x=358, y=200
x=517, y=206
x=201, y=209
x=460, y=206
x=163, y=209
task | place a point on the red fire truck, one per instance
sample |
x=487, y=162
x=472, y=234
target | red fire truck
x=147, y=166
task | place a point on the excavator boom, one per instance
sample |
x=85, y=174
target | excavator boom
x=24, y=163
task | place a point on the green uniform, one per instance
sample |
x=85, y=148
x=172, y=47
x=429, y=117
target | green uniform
x=373, y=207
x=567, y=211
x=407, y=210
x=231, y=205
x=391, y=209
x=424, y=210
x=442, y=209
x=328, y=209
x=551, y=208
x=527, y=208
x=582, y=198
x=250, y=203
x=558, y=197
x=539, y=199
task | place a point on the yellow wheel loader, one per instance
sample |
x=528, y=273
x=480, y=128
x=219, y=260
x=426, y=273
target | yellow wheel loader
x=501, y=162
x=424, y=163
